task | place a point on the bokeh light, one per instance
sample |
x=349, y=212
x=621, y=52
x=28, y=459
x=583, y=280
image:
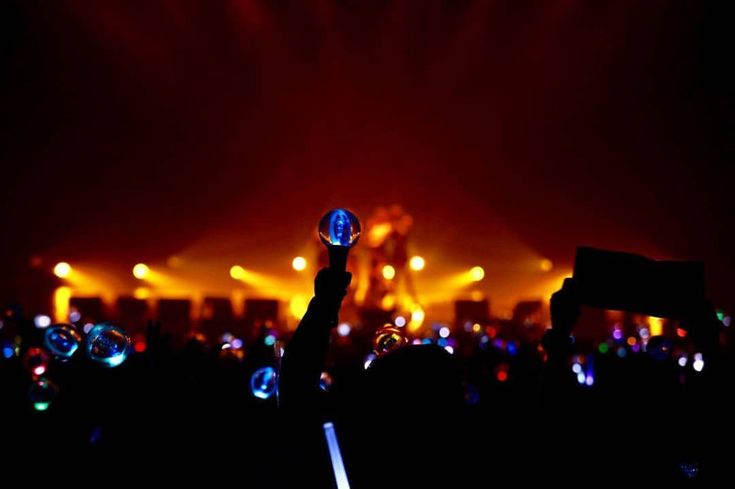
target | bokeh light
x=237, y=272
x=62, y=269
x=546, y=265
x=477, y=273
x=417, y=263
x=141, y=271
x=42, y=321
x=299, y=263
x=389, y=273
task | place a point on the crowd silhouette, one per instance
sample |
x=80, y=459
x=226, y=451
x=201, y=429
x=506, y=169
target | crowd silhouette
x=492, y=410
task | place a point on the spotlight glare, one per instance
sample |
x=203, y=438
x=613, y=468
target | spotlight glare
x=299, y=263
x=141, y=271
x=417, y=263
x=237, y=272
x=546, y=265
x=389, y=272
x=62, y=269
x=477, y=273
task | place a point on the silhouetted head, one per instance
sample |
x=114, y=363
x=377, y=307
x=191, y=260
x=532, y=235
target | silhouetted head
x=412, y=424
x=419, y=380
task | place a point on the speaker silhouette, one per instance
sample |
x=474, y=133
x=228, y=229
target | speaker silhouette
x=472, y=311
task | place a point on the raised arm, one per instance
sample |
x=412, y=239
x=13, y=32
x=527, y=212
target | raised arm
x=304, y=358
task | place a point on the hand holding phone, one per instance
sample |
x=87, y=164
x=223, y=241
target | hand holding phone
x=634, y=283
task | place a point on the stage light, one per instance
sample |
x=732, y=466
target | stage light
x=299, y=263
x=603, y=348
x=656, y=326
x=417, y=318
x=400, y=321
x=62, y=295
x=62, y=269
x=477, y=273
x=417, y=263
x=142, y=293
x=237, y=272
x=444, y=332
x=450, y=349
x=141, y=271
x=546, y=265
x=389, y=273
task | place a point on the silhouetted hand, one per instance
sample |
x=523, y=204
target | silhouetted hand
x=565, y=308
x=330, y=287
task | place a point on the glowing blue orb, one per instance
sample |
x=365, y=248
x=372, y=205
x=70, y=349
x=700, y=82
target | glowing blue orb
x=107, y=345
x=339, y=227
x=8, y=350
x=263, y=382
x=62, y=340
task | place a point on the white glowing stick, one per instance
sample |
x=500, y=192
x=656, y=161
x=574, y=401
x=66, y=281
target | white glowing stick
x=340, y=475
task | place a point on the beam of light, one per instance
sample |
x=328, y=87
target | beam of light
x=62, y=269
x=389, y=273
x=264, y=283
x=299, y=263
x=546, y=265
x=297, y=306
x=338, y=466
x=141, y=271
x=417, y=263
x=40, y=406
x=417, y=318
x=62, y=295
